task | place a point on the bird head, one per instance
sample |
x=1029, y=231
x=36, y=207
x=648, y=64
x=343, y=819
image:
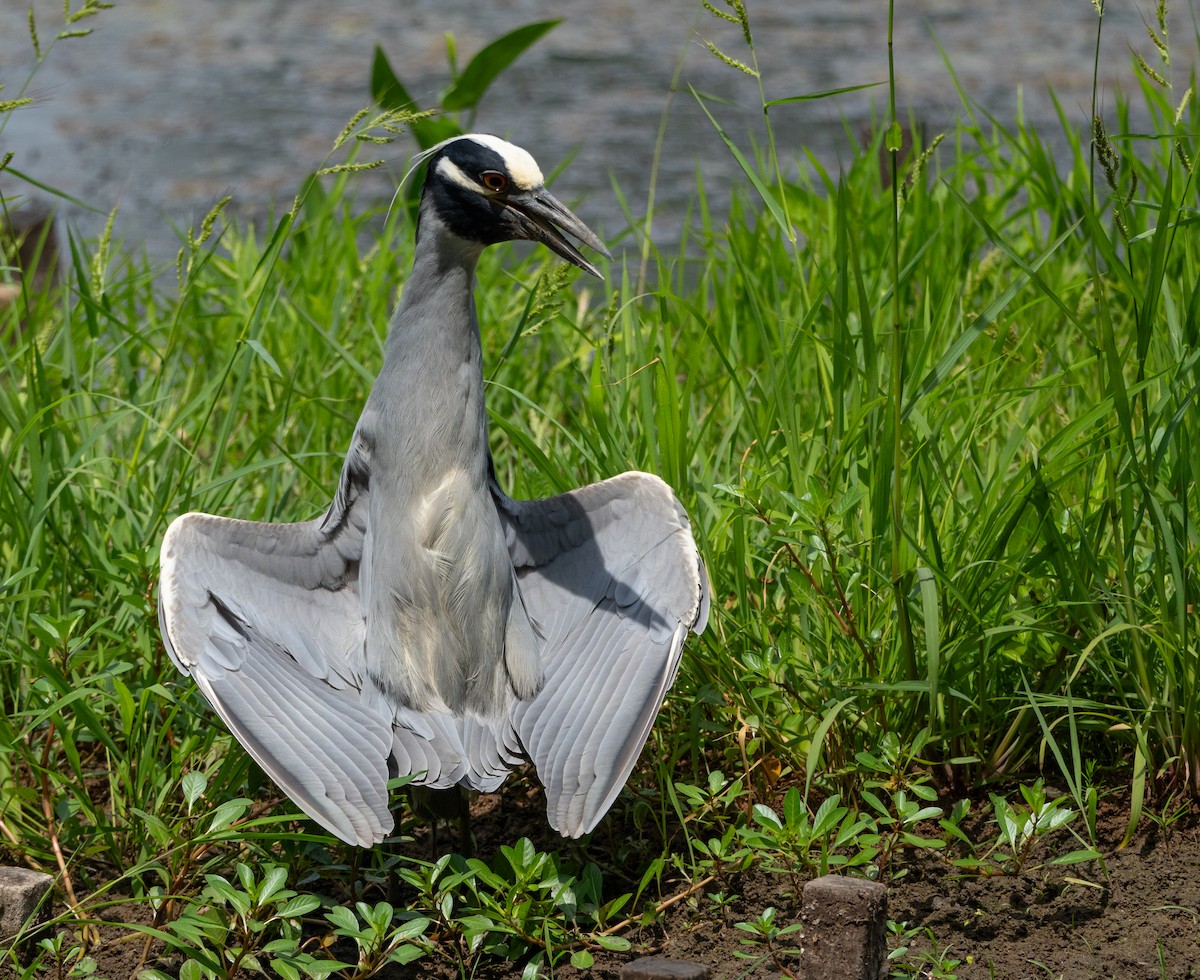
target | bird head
x=485, y=190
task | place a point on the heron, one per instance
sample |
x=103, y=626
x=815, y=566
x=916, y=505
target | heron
x=427, y=624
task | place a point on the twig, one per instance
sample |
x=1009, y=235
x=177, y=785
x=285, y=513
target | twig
x=88, y=932
x=4, y=828
x=662, y=906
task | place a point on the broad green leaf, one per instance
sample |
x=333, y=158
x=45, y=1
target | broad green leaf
x=923, y=843
x=343, y=918
x=1075, y=857
x=616, y=943
x=245, y=875
x=324, y=968
x=226, y=814
x=193, y=784
x=406, y=953
x=389, y=93
x=466, y=90
x=827, y=816
x=410, y=929
x=273, y=882
x=386, y=88
x=155, y=826
x=378, y=916
x=764, y=816
x=285, y=969
x=226, y=892
x=794, y=811
x=298, y=906
x=191, y=970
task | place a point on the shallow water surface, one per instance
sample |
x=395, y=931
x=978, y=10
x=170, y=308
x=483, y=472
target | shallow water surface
x=171, y=104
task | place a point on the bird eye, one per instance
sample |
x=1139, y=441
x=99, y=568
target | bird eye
x=493, y=180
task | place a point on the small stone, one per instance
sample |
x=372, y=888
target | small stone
x=22, y=894
x=845, y=929
x=664, y=968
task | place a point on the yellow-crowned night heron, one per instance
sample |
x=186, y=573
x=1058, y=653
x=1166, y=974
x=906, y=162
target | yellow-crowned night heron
x=427, y=623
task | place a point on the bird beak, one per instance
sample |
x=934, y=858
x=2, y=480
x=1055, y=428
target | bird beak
x=540, y=217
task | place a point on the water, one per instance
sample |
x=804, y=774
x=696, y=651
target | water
x=172, y=104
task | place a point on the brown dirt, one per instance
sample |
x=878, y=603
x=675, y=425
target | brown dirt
x=1137, y=916
x=1141, y=919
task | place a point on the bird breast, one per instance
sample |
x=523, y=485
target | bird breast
x=440, y=599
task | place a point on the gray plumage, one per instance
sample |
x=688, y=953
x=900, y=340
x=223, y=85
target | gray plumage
x=427, y=623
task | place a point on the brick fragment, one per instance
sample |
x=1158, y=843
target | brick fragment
x=845, y=929
x=23, y=904
x=664, y=968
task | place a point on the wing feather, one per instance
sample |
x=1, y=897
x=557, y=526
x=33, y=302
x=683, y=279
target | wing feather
x=268, y=620
x=611, y=578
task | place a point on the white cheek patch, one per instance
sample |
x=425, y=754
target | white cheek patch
x=522, y=168
x=452, y=171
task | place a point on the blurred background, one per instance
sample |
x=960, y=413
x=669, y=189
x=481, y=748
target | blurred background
x=172, y=104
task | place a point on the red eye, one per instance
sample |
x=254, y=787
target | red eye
x=493, y=180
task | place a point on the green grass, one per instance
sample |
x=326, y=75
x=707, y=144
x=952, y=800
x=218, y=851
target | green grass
x=939, y=453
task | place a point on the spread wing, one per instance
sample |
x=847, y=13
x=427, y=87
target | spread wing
x=612, y=582
x=267, y=619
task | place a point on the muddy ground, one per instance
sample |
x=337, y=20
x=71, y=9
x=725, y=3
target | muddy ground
x=1135, y=915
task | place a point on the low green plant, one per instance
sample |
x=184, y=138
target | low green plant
x=249, y=924
x=869, y=838
x=952, y=826
x=894, y=820
x=57, y=955
x=891, y=765
x=719, y=858
x=766, y=941
x=520, y=907
x=239, y=927
x=1022, y=828
x=381, y=935
x=797, y=842
x=710, y=805
x=929, y=961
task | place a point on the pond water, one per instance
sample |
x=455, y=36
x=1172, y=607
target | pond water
x=171, y=104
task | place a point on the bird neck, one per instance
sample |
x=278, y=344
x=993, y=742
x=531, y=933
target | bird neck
x=437, y=306
x=428, y=400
